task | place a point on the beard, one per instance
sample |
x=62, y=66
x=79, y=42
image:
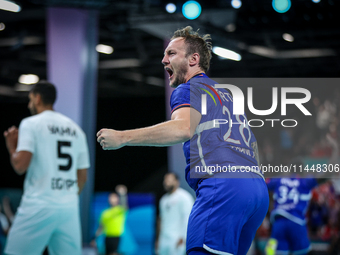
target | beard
x=180, y=76
x=169, y=189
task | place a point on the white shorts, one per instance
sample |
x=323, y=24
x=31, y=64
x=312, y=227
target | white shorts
x=34, y=228
x=167, y=246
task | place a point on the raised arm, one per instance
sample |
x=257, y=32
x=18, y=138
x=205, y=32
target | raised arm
x=122, y=192
x=19, y=160
x=179, y=129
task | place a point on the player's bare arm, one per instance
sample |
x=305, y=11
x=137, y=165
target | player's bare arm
x=19, y=160
x=98, y=233
x=179, y=129
x=81, y=179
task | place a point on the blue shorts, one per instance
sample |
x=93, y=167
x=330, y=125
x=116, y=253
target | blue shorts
x=291, y=237
x=226, y=214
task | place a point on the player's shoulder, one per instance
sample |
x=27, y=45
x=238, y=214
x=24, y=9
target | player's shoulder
x=62, y=117
x=180, y=96
x=104, y=212
x=183, y=193
x=202, y=80
x=164, y=197
x=69, y=122
x=120, y=208
x=194, y=84
x=31, y=120
x=107, y=210
x=182, y=88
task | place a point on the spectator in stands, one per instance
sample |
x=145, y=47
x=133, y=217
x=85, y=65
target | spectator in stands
x=334, y=248
x=318, y=213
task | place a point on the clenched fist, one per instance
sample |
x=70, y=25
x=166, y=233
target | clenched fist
x=11, y=137
x=110, y=139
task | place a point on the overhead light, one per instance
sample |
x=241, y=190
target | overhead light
x=281, y=6
x=28, y=79
x=286, y=54
x=102, y=48
x=191, y=10
x=2, y=26
x=230, y=27
x=236, y=4
x=224, y=53
x=119, y=63
x=170, y=8
x=316, y=1
x=9, y=6
x=288, y=37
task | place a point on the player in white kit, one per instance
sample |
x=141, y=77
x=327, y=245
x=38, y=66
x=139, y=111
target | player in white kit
x=52, y=150
x=175, y=207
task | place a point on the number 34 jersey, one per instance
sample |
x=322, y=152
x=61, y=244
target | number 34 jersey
x=291, y=196
x=59, y=148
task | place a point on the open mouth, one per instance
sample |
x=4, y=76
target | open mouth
x=170, y=72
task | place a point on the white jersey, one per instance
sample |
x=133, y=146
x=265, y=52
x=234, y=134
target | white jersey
x=59, y=149
x=175, y=209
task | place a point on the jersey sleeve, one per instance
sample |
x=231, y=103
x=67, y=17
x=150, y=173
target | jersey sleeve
x=26, y=141
x=195, y=97
x=84, y=156
x=180, y=97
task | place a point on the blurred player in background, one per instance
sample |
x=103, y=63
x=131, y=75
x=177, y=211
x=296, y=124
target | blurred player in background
x=6, y=221
x=52, y=150
x=6, y=205
x=229, y=207
x=174, y=209
x=112, y=220
x=289, y=230
x=4, y=228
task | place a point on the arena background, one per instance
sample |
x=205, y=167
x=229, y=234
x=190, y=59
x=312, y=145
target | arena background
x=132, y=90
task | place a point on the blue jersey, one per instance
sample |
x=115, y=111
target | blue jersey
x=222, y=142
x=291, y=196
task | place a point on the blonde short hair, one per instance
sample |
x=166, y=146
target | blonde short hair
x=196, y=44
